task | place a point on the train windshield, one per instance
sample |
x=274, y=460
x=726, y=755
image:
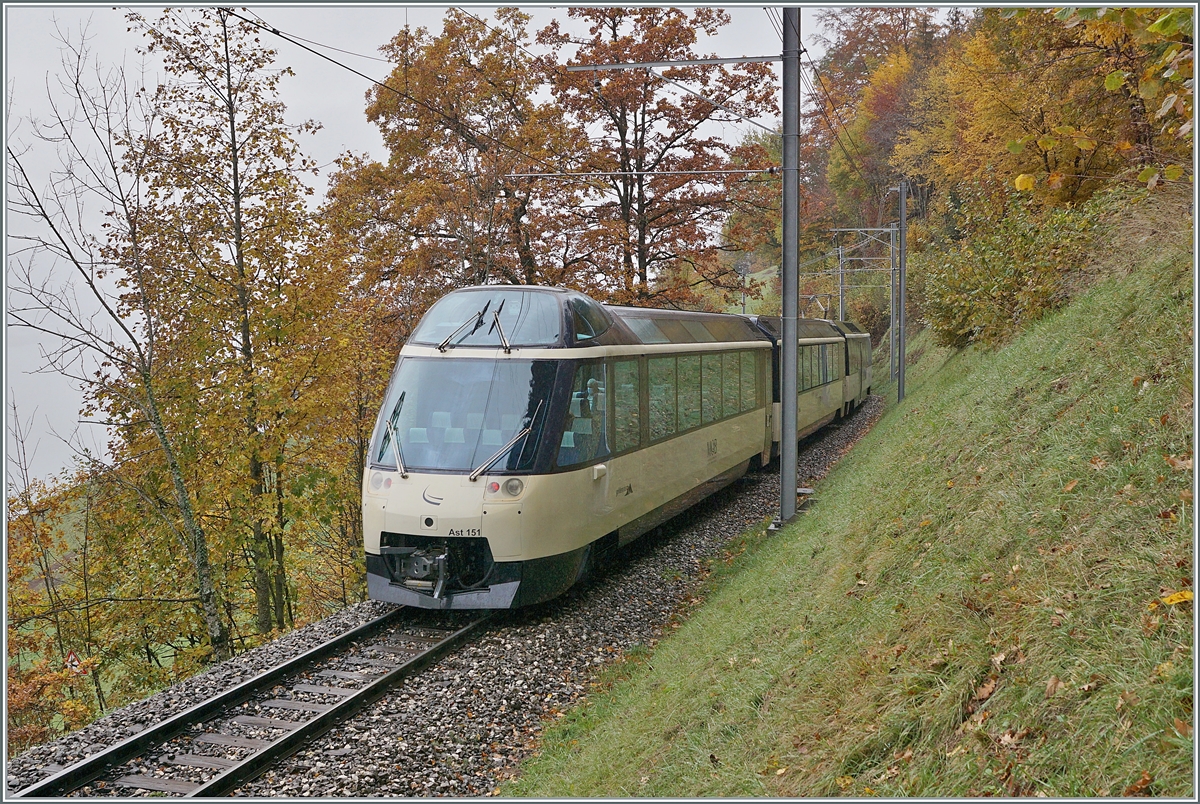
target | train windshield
x=470, y=317
x=455, y=414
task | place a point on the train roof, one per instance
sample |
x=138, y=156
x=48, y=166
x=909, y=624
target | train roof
x=549, y=317
x=652, y=325
x=805, y=327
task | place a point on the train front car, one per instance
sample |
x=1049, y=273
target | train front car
x=528, y=431
x=470, y=424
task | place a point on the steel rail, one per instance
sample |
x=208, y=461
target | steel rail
x=254, y=765
x=82, y=772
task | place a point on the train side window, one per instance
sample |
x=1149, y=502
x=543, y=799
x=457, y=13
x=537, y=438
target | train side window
x=710, y=388
x=662, y=397
x=749, y=381
x=824, y=359
x=805, y=381
x=583, y=438
x=688, y=396
x=731, y=381
x=589, y=320
x=627, y=423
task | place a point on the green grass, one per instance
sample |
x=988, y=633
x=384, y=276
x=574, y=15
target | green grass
x=1014, y=523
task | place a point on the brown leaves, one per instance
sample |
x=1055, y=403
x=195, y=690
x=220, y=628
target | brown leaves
x=1141, y=786
x=1067, y=489
x=1177, y=463
x=985, y=690
x=1053, y=686
x=1011, y=738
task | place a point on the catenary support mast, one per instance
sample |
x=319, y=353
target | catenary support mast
x=791, y=253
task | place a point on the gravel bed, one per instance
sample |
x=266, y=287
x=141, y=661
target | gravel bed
x=462, y=726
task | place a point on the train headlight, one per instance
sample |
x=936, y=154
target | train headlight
x=380, y=481
x=493, y=487
x=514, y=486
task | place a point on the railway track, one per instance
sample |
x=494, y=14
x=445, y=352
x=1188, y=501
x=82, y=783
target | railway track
x=220, y=744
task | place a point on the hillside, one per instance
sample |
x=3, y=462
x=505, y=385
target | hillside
x=991, y=594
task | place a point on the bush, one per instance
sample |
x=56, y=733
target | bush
x=1009, y=267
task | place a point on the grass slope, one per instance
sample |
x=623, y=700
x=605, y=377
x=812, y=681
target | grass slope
x=974, y=605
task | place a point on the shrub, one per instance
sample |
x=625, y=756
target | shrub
x=1009, y=267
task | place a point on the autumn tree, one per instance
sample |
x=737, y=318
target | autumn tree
x=656, y=227
x=452, y=207
x=227, y=223
x=108, y=319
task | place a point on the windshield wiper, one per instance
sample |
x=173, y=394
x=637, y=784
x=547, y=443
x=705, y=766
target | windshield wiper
x=496, y=326
x=483, y=467
x=396, y=449
x=477, y=318
x=392, y=434
x=500, y=329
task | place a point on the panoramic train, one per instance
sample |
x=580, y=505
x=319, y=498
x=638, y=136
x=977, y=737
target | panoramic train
x=527, y=432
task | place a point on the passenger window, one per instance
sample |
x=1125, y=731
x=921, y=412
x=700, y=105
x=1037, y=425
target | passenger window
x=749, y=381
x=803, y=379
x=710, y=388
x=688, y=396
x=583, y=438
x=662, y=397
x=731, y=381
x=627, y=421
x=824, y=359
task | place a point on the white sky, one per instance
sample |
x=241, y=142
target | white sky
x=47, y=403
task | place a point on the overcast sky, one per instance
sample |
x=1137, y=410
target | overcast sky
x=319, y=91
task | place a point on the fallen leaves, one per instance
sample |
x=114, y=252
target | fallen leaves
x=1178, y=464
x=1011, y=738
x=1067, y=489
x=1053, y=686
x=1182, y=728
x=1127, y=700
x=844, y=782
x=1140, y=787
x=1178, y=597
x=985, y=690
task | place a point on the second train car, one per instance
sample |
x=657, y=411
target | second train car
x=527, y=432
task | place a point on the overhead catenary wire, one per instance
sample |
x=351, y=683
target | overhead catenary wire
x=774, y=24
x=770, y=170
x=832, y=128
x=327, y=47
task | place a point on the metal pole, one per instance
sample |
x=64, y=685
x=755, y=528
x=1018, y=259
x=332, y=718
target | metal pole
x=892, y=302
x=903, y=260
x=791, y=260
x=842, y=260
